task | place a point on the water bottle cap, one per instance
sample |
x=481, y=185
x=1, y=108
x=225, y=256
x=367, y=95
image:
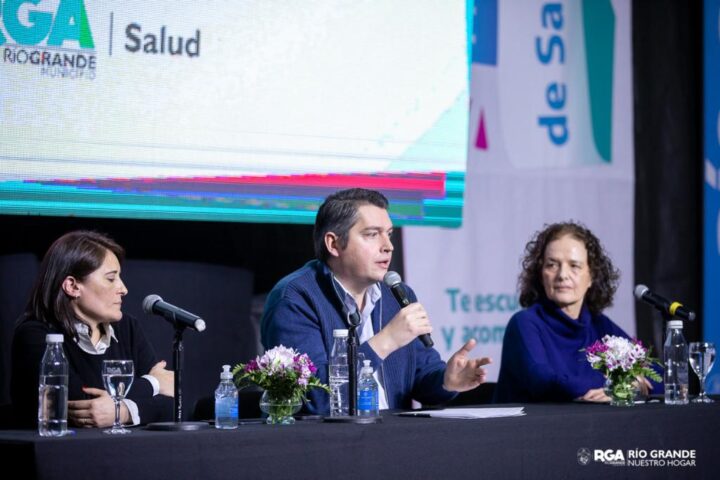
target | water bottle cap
x=366, y=367
x=340, y=332
x=54, y=338
x=675, y=324
x=226, y=374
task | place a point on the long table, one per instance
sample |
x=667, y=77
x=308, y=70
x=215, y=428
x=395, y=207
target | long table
x=551, y=441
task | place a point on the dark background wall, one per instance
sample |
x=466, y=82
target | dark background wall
x=269, y=250
x=667, y=71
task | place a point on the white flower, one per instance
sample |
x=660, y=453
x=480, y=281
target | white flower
x=593, y=359
x=278, y=358
x=620, y=353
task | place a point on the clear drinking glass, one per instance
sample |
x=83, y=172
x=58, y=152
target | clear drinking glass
x=702, y=357
x=118, y=377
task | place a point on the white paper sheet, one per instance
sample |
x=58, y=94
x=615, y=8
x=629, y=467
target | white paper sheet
x=468, y=413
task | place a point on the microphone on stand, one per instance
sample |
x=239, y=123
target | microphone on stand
x=666, y=307
x=154, y=304
x=393, y=280
x=180, y=319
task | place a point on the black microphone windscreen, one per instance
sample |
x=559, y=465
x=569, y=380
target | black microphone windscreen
x=149, y=301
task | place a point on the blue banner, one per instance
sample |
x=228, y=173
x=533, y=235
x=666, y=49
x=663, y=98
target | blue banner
x=711, y=240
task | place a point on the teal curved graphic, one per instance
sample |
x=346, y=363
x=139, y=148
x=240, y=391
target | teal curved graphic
x=599, y=27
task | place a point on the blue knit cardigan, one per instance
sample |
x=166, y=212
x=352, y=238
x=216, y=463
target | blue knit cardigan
x=542, y=359
x=304, y=308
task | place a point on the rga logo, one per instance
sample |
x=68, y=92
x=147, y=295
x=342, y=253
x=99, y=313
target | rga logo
x=609, y=457
x=639, y=457
x=584, y=456
x=54, y=36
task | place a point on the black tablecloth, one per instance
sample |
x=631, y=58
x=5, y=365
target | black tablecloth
x=551, y=441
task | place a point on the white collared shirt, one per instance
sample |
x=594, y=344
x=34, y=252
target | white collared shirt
x=84, y=341
x=372, y=296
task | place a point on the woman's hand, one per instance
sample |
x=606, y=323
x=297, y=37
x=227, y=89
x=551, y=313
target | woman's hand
x=595, y=395
x=97, y=412
x=166, y=378
x=643, y=384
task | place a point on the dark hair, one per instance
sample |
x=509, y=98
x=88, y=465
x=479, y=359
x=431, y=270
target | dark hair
x=603, y=273
x=339, y=212
x=76, y=254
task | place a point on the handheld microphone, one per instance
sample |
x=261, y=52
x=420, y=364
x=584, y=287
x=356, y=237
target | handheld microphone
x=666, y=307
x=153, y=304
x=393, y=280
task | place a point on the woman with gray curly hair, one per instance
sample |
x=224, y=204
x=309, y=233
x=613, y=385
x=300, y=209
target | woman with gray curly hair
x=567, y=280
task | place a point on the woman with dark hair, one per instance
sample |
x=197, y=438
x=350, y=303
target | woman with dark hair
x=78, y=293
x=567, y=280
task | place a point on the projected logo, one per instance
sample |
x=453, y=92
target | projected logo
x=53, y=36
x=553, y=69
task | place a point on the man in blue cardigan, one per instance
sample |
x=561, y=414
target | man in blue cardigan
x=352, y=239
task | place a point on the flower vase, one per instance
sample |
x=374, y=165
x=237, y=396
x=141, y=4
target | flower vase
x=279, y=411
x=621, y=391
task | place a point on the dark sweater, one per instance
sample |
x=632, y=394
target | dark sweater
x=28, y=347
x=303, y=309
x=541, y=357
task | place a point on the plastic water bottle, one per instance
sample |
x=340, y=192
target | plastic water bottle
x=339, y=380
x=367, y=392
x=53, y=389
x=226, y=401
x=675, y=353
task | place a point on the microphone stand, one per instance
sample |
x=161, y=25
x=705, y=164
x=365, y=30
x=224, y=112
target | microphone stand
x=178, y=424
x=352, y=344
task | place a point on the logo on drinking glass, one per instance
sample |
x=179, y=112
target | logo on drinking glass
x=118, y=377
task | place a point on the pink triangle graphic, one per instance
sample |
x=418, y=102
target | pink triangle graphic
x=481, y=139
